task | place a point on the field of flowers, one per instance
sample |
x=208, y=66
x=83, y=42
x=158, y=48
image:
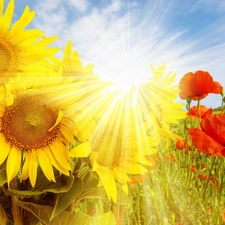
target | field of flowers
x=75, y=149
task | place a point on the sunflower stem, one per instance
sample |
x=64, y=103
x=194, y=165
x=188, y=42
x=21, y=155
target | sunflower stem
x=16, y=210
x=77, y=167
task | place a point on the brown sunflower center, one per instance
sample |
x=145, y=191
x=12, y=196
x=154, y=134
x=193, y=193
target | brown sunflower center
x=26, y=123
x=8, y=60
x=110, y=148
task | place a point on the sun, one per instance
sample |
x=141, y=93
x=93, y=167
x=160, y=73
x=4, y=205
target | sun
x=124, y=75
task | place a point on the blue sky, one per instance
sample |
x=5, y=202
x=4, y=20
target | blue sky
x=124, y=36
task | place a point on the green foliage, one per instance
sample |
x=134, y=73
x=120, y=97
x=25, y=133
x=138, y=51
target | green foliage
x=106, y=218
x=184, y=187
x=63, y=200
x=63, y=184
x=44, y=212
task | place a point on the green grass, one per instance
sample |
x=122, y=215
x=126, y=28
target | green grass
x=183, y=188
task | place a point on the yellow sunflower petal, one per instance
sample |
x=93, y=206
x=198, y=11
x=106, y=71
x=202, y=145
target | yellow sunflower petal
x=5, y=147
x=58, y=151
x=82, y=150
x=59, y=118
x=3, y=93
x=120, y=175
x=26, y=39
x=134, y=168
x=108, y=183
x=13, y=163
x=68, y=50
x=33, y=167
x=125, y=188
x=67, y=133
x=144, y=145
x=1, y=8
x=25, y=170
x=43, y=43
x=141, y=159
x=24, y=20
x=45, y=164
x=59, y=167
x=93, y=156
x=21, y=49
x=7, y=17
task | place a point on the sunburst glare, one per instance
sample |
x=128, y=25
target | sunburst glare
x=96, y=132
x=124, y=74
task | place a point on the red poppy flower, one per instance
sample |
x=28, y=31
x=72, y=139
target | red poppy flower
x=210, y=139
x=199, y=112
x=198, y=85
x=193, y=168
x=135, y=180
x=180, y=144
x=203, y=167
x=211, y=179
x=168, y=158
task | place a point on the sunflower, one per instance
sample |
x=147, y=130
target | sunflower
x=92, y=91
x=20, y=50
x=72, y=66
x=36, y=130
x=118, y=145
x=156, y=101
x=82, y=78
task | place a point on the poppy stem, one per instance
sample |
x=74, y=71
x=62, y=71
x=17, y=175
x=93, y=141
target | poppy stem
x=210, y=173
x=197, y=111
x=222, y=105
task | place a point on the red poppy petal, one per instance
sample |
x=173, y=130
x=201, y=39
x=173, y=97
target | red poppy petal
x=185, y=86
x=205, y=143
x=207, y=113
x=214, y=126
x=199, y=97
x=192, y=111
x=217, y=88
x=180, y=144
x=203, y=82
x=201, y=111
x=223, y=152
x=196, y=85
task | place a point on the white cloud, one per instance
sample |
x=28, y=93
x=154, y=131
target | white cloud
x=113, y=36
x=51, y=17
x=48, y=6
x=116, y=5
x=80, y=5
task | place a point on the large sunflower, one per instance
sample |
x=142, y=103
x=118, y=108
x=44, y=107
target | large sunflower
x=156, y=101
x=119, y=144
x=20, y=49
x=82, y=77
x=36, y=129
x=92, y=91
